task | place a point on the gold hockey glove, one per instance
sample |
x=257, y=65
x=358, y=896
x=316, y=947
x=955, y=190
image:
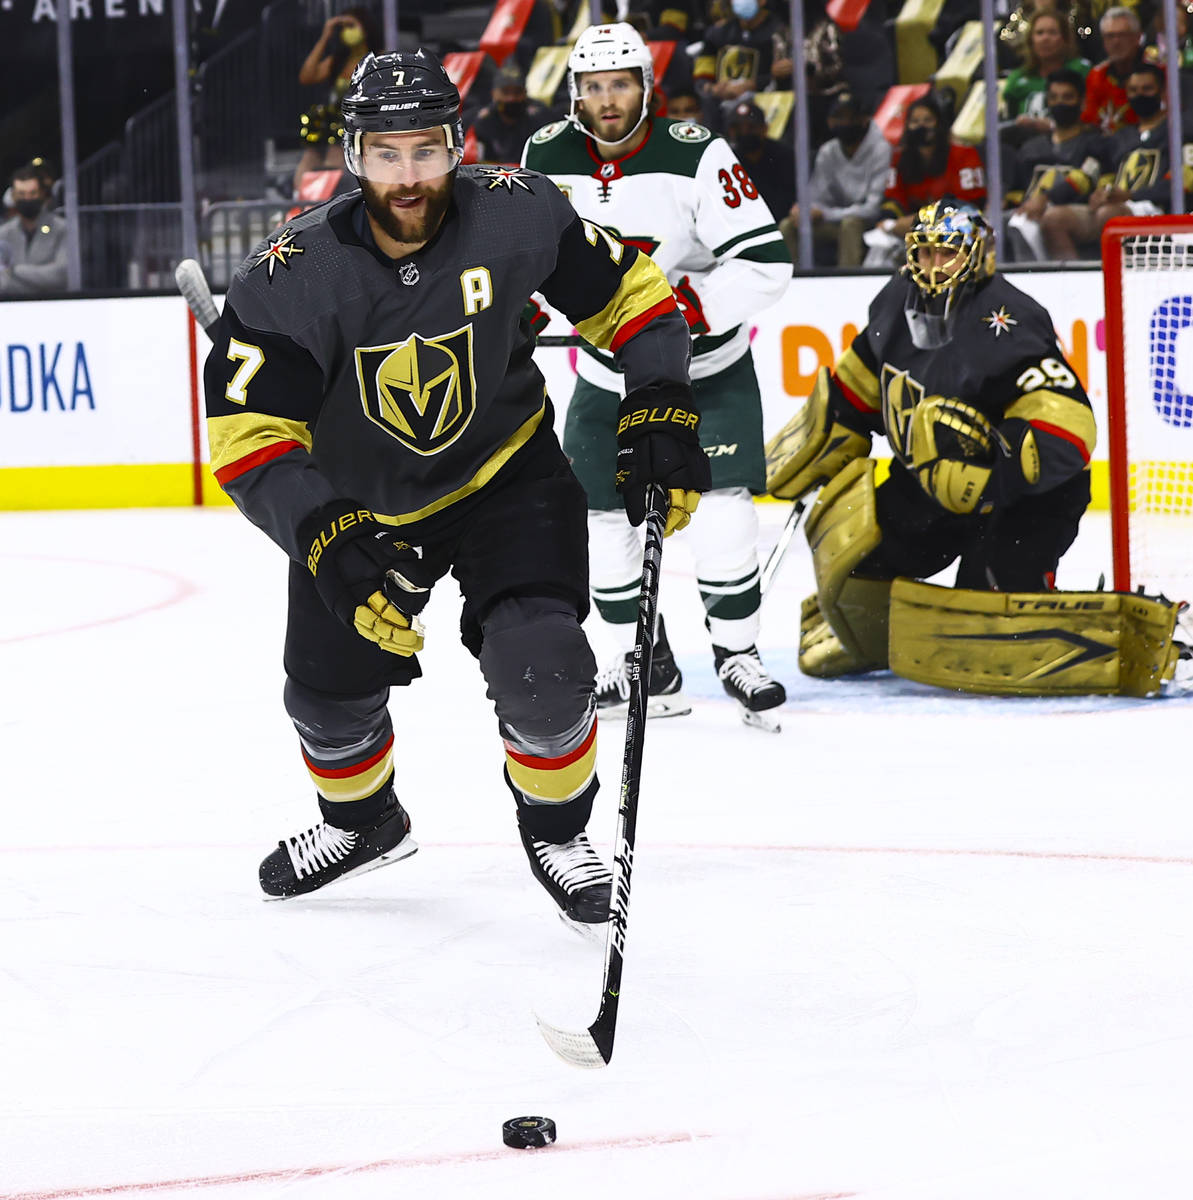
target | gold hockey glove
x=657, y=442
x=370, y=578
x=811, y=448
x=954, y=452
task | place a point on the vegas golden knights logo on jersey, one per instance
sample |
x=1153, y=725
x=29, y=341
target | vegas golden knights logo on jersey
x=1140, y=169
x=421, y=391
x=900, y=395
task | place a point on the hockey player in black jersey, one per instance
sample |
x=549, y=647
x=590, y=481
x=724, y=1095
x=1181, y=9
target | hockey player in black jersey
x=373, y=406
x=990, y=432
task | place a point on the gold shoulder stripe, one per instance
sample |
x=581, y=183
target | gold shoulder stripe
x=853, y=374
x=642, y=287
x=1056, y=413
x=244, y=435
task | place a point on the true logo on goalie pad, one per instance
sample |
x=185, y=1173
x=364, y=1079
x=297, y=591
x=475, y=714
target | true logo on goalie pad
x=421, y=391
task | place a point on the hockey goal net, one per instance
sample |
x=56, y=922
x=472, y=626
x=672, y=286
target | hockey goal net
x=1148, y=276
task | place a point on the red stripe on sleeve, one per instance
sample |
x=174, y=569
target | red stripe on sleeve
x=635, y=324
x=243, y=465
x=853, y=398
x=1064, y=434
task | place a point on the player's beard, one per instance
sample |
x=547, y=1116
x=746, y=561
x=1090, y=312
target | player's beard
x=604, y=132
x=413, y=229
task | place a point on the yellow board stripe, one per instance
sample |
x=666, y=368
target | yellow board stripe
x=642, y=287
x=169, y=485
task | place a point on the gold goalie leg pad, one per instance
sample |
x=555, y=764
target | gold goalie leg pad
x=845, y=631
x=1032, y=643
x=862, y=607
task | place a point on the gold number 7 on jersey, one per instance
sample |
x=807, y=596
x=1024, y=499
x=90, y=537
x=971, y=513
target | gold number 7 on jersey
x=251, y=359
x=592, y=231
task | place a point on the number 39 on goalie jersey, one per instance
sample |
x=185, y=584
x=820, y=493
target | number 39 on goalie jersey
x=683, y=198
x=1003, y=359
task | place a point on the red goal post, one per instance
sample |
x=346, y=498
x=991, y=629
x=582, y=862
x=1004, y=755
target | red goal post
x=1147, y=271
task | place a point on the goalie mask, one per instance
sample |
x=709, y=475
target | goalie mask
x=950, y=250
x=616, y=47
x=401, y=93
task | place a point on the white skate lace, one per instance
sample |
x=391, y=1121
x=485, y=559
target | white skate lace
x=613, y=680
x=320, y=847
x=745, y=671
x=573, y=865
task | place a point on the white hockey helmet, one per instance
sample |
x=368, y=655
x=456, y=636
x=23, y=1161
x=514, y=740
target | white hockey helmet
x=617, y=47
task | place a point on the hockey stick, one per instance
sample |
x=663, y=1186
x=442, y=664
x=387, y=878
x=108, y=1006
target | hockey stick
x=775, y=558
x=192, y=283
x=594, y=1047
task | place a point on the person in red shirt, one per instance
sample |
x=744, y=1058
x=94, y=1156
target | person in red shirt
x=1106, y=84
x=928, y=166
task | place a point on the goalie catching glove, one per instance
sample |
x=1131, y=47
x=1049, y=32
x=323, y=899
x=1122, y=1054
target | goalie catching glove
x=371, y=579
x=965, y=463
x=657, y=443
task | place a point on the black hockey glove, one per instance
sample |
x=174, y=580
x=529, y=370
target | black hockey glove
x=657, y=443
x=367, y=575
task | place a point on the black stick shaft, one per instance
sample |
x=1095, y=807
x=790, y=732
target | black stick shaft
x=604, y=1027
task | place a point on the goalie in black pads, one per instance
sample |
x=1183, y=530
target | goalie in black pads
x=991, y=434
x=374, y=407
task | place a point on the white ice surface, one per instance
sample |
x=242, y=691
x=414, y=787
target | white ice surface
x=915, y=947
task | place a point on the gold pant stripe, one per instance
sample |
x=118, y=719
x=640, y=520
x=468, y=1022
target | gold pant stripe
x=554, y=779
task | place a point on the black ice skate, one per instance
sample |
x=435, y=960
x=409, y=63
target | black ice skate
x=318, y=856
x=663, y=698
x=743, y=677
x=575, y=878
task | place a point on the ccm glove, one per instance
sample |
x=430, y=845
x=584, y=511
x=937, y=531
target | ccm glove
x=367, y=576
x=689, y=304
x=657, y=443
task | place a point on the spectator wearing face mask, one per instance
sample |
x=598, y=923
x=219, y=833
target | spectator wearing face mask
x=345, y=40
x=926, y=167
x=746, y=53
x=847, y=185
x=770, y=164
x=504, y=125
x=33, y=242
x=1140, y=185
x=1062, y=166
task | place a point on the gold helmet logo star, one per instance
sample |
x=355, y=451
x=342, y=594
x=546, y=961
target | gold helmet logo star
x=1000, y=322
x=279, y=250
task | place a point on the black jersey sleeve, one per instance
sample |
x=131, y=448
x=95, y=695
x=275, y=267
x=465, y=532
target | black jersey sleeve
x=1038, y=387
x=263, y=396
x=619, y=300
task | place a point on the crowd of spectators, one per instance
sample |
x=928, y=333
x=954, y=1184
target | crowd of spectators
x=1083, y=117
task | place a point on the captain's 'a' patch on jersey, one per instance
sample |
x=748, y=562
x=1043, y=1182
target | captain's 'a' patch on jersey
x=421, y=391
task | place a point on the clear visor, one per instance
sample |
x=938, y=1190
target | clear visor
x=403, y=158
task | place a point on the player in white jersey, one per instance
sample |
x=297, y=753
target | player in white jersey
x=675, y=191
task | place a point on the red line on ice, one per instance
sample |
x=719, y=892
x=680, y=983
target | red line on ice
x=182, y=589
x=385, y=1164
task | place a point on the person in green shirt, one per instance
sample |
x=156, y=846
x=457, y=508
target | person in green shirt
x=1048, y=46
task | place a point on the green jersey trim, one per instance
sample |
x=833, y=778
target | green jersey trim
x=764, y=232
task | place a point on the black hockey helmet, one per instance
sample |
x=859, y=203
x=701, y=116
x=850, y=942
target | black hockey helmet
x=958, y=235
x=400, y=93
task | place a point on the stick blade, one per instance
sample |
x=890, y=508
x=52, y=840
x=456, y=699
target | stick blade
x=192, y=284
x=578, y=1049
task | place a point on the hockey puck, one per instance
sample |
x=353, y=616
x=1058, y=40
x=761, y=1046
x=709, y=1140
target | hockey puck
x=528, y=1133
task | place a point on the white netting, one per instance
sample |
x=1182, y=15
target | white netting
x=1157, y=296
